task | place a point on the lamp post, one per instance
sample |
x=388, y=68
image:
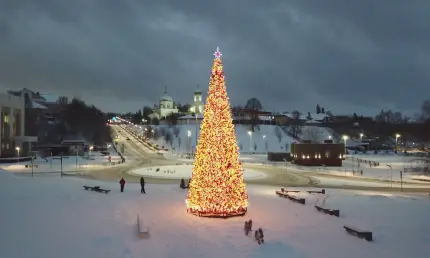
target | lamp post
x=361, y=137
x=345, y=137
x=189, y=139
x=265, y=143
x=91, y=150
x=391, y=175
x=250, y=140
x=397, y=138
x=17, y=150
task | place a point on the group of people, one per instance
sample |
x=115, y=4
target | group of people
x=258, y=235
x=142, y=185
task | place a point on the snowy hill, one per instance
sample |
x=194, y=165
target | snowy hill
x=265, y=138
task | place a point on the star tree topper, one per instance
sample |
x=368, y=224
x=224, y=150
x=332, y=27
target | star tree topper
x=217, y=53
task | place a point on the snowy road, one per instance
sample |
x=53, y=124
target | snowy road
x=143, y=158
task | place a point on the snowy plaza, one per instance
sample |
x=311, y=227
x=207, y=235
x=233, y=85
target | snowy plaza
x=55, y=217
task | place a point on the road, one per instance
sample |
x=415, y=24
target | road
x=138, y=155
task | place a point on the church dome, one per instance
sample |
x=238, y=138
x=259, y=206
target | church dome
x=166, y=98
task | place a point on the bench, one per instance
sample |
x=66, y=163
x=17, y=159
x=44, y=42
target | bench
x=96, y=189
x=317, y=192
x=289, y=191
x=359, y=233
x=142, y=230
x=296, y=199
x=327, y=211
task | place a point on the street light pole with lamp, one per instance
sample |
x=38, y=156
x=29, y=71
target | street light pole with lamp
x=265, y=143
x=17, y=150
x=250, y=140
x=397, y=139
x=361, y=137
x=345, y=137
x=189, y=139
x=91, y=150
x=391, y=175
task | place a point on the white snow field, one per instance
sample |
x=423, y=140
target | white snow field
x=70, y=163
x=263, y=138
x=46, y=217
x=185, y=171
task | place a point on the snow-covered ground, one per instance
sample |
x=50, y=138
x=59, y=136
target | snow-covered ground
x=95, y=160
x=184, y=171
x=52, y=217
x=263, y=139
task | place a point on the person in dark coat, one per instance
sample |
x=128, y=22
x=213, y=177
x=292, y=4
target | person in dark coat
x=122, y=184
x=142, y=185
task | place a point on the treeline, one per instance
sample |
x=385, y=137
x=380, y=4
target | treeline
x=86, y=121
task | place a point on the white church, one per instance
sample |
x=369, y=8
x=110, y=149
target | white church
x=166, y=106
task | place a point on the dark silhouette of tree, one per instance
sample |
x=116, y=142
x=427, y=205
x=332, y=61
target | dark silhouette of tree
x=322, y=110
x=86, y=121
x=253, y=105
x=318, y=109
x=295, y=124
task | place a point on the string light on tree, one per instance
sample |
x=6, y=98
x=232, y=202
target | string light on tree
x=217, y=188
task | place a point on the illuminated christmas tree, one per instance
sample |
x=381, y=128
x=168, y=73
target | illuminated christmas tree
x=217, y=188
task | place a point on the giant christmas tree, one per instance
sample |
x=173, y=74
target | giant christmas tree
x=217, y=188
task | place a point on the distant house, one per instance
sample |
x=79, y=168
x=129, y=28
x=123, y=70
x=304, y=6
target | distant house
x=308, y=118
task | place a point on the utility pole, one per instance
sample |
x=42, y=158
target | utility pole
x=61, y=162
x=401, y=181
x=32, y=166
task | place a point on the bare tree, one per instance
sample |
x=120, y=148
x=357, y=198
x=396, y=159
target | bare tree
x=312, y=133
x=295, y=124
x=176, y=131
x=254, y=105
x=425, y=110
x=278, y=133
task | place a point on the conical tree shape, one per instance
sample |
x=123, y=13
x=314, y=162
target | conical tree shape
x=217, y=188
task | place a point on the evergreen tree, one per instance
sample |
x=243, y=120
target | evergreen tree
x=217, y=187
x=318, y=109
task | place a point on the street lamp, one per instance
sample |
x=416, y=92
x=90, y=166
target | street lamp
x=189, y=139
x=345, y=137
x=329, y=137
x=250, y=140
x=361, y=136
x=397, y=137
x=91, y=150
x=17, y=150
x=391, y=175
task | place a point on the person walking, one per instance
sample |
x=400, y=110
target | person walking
x=122, y=184
x=142, y=185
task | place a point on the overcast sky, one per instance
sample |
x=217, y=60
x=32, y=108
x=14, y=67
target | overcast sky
x=347, y=55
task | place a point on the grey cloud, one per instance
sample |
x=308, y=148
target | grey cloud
x=350, y=56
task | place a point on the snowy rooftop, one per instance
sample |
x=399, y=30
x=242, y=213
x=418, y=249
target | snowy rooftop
x=36, y=105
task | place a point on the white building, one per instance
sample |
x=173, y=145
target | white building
x=12, y=125
x=197, y=107
x=165, y=107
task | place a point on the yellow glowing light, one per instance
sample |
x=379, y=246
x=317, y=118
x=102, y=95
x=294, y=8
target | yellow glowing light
x=217, y=187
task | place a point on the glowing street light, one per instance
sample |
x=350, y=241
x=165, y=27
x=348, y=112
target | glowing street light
x=345, y=137
x=17, y=150
x=361, y=136
x=329, y=137
x=91, y=149
x=397, y=139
